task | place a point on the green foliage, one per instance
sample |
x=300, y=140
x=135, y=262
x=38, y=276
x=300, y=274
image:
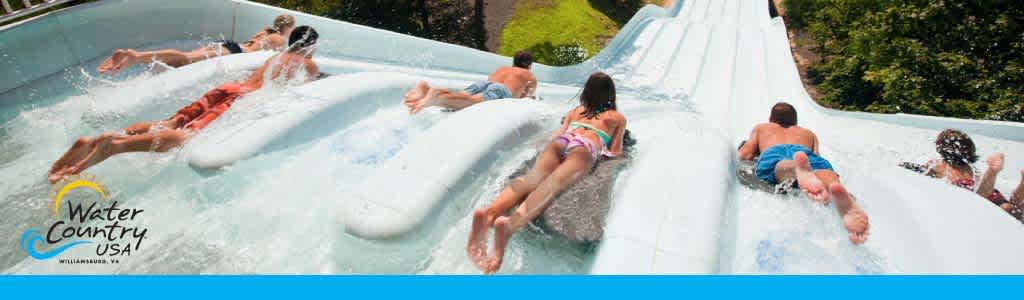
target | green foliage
x=960, y=59
x=450, y=21
x=559, y=33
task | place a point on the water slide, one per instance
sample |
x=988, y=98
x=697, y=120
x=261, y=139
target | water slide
x=333, y=176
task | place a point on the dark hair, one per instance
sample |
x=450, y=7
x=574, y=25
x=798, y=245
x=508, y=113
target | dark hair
x=955, y=147
x=523, y=59
x=598, y=95
x=302, y=37
x=783, y=114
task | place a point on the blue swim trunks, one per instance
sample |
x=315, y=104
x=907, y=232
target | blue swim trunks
x=771, y=156
x=489, y=90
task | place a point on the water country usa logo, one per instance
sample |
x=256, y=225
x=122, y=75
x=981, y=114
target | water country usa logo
x=94, y=220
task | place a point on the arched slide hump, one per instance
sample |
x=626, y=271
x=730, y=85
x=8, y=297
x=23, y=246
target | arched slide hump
x=300, y=115
x=415, y=183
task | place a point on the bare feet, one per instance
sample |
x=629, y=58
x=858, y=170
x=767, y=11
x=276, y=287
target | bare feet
x=805, y=178
x=116, y=62
x=476, y=248
x=82, y=155
x=855, y=220
x=76, y=153
x=426, y=101
x=502, y=233
x=101, y=150
x=416, y=93
x=995, y=162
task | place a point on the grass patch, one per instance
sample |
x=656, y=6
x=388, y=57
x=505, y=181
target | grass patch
x=566, y=32
x=558, y=32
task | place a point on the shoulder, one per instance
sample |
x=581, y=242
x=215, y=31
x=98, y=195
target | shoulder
x=808, y=132
x=574, y=112
x=616, y=115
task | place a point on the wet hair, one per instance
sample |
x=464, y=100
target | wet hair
x=280, y=23
x=302, y=37
x=783, y=114
x=956, y=148
x=598, y=95
x=523, y=59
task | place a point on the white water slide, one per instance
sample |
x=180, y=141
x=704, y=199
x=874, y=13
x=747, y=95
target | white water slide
x=334, y=177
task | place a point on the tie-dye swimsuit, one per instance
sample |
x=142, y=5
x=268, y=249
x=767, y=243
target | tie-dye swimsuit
x=571, y=140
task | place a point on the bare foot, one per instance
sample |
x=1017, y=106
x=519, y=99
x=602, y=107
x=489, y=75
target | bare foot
x=502, y=233
x=805, y=178
x=995, y=162
x=99, y=150
x=82, y=147
x=476, y=248
x=416, y=93
x=855, y=220
x=426, y=101
x=116, y=62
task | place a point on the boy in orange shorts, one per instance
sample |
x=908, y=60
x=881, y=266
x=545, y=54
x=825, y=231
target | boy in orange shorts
x=161, y=136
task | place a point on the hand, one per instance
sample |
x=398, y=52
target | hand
x=995, y=162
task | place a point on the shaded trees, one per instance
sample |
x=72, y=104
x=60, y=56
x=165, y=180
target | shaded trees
x=961, y=59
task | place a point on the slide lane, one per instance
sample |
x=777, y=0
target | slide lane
x=715, y=82
x=448, y=151
x=914, y=230
x=667, y=207
x=654, y=64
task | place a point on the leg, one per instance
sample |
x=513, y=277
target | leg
x=125, y=58
x=1018, y=194
x=800, y=169
x=89, y=152
x=575, y=166
x=444, y=98
x=514, y=193
x=854, y=218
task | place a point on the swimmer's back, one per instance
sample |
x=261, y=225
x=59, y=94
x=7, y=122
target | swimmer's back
x=514, y=78
x=290, y=63
x=771, y=134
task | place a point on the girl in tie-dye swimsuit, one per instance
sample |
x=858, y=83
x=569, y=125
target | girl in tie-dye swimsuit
x=572, y=153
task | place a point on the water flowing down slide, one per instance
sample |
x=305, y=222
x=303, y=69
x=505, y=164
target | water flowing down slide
x=334, y=176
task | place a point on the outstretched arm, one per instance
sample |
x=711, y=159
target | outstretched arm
x=620, y=132
x=531, y=87
x=312, y=70
x=814, y=146
x=749, y=149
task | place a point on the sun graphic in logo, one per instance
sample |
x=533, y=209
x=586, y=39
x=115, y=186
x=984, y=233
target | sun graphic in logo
x=75, y=182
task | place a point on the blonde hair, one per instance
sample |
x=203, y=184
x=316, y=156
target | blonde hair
x=280, y=23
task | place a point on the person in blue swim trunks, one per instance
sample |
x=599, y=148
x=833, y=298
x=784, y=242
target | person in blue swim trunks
x=506, y=82
x=790, y=152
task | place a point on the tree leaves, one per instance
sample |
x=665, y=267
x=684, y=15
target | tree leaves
x=961, y=59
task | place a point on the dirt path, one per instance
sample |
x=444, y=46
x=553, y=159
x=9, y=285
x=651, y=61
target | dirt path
x=800, y=45
x=496, y=14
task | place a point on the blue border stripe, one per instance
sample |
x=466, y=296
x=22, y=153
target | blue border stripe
x=479, y=287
